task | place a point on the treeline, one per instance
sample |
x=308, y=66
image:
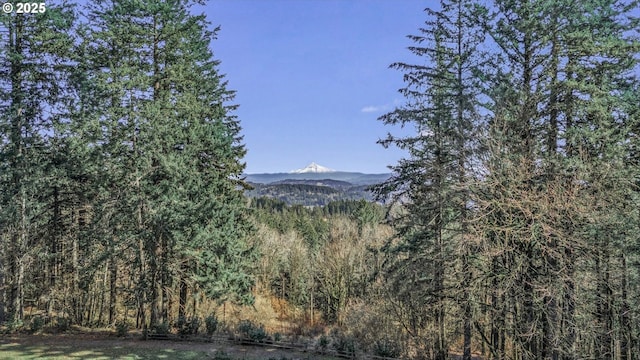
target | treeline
x=518, y=235
x=303, y=194
x=313, y=223
x=119, y=167
x=308, y=194
x=321, y=259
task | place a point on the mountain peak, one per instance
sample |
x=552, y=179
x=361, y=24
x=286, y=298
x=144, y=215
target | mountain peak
x=312, y=168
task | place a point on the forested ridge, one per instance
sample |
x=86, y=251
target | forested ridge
x=310, y=194
x=510, y=230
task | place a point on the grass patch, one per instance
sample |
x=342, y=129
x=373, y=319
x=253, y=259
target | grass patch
x=66, y=352
x=102, y=347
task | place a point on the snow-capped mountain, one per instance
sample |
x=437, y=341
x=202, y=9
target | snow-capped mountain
x=312, y=168
x=317, y=173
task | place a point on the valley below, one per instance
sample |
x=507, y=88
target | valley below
x=314, y=188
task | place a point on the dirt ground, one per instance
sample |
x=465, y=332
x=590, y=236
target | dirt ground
x=101, y=341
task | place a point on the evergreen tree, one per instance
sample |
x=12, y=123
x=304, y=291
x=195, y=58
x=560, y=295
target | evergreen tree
x=546, y=137
x=175, y=148
x=441, y=105
x=561, y=122
x=35, y=59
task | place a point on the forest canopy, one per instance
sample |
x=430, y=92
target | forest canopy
x=509, y=230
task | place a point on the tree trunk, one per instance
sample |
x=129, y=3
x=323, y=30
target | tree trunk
x=142, y=289
x=113, y=294
x=53, y=246
x=18, y=240
x=3, y=284
x=153, y=318
x=603, y=348
x=626, y=329
x=498, y=314
x=165, y=280
x=568, y=310
x=466, y=306
x=549, y=350
x=75, y=282
x=103, y=294
x=182, y=306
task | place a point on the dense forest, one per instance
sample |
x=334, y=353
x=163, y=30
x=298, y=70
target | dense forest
x=121, y=163
x=309, y=194
x=510, y=230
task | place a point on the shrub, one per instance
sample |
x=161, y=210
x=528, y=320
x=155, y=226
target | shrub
x=63, y=324
x=252, y=331
x=160, y=329
x=323, y=343
x=211, y=323
x=15, y=325
x=343, y=343
x=188, y=326
x=122, y=328
x=37, y=323
x=386, y=348
x=221, y=355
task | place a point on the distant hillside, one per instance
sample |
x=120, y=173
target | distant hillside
x=307, y=194
x=353, y=178
x=336, y=184
x=314, y=185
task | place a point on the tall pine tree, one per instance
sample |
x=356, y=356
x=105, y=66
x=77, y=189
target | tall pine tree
x=170, y=138
x=35, y=62
x=441, y=105
x=556, y=120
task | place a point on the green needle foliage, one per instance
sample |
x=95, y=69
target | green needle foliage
x=175, y=151
x=34, y=75
x=532, y=234
x=121, y=166
x=442, y=107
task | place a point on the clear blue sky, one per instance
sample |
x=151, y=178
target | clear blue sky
x=312, y=77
